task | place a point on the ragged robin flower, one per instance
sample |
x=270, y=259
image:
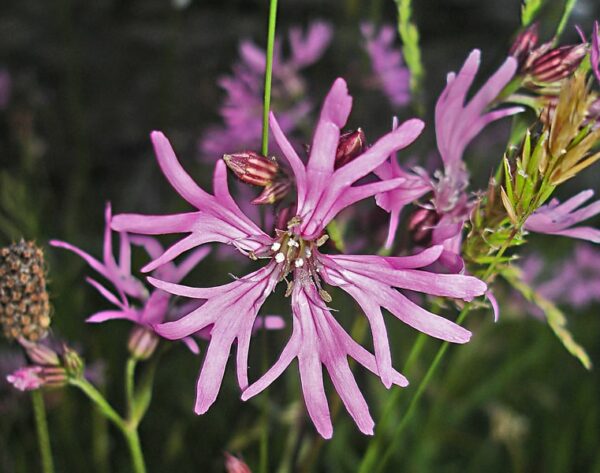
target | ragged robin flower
x=295, y=256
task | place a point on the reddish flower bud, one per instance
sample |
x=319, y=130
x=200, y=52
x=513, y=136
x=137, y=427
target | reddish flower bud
x=524, y=43
x=350, y=145
x=142, y=342
x=252, y=168
x=284, y=216
x=420, y=225
x=235, y=465
x=54, y=376
x=40, y=354
x=273, y=192
x=557, y=63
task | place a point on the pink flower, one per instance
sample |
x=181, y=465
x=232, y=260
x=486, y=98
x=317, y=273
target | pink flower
x=559, y=219
x=27, y=378
x=457, y=122
x=153, y=307
x=294, y=254
x=242, y=109
x=388, y=68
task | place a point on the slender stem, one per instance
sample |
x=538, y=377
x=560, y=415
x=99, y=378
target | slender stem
x=130, y=384
x=370, y=458
x=392, y=446
x=41, y=425
x=135, y=450
x=128, y=430
x=268, y=76
x=101, y=403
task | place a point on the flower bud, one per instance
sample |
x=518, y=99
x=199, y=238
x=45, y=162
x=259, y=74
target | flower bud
x=557, y=63
x=40, y=354
x=524, y=43
x=284, y=216
x=72, y=362
x=420, y=225
x=350, y=146
x=235, y=465
x=252, y=168
x=142, y=342
x=274, y=192
x=54, y=376
x=27, y=378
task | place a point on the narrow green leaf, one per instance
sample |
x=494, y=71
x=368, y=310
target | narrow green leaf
x=529, y=11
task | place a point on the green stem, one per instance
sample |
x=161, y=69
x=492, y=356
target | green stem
x=396, y=437
x=371, y=457
x=268, y=76
x=41, y=425
x=130, y=384
x=128, y=429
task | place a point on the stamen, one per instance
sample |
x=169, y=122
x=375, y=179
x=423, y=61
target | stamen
x=275, y=246
x=299, y=263
x=307, y=252
x=280, y=257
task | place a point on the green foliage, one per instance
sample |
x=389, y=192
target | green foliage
x=529, y=11
x=410, y=44
x=554, y=316
x=569, y=5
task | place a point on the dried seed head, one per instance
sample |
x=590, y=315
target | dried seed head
x=24, y=302
x=252, y=168
x=351, y=145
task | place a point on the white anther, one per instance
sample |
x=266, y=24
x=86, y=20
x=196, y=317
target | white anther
x=293, y=243
x=307, y=252
x=280, y=257
x=299, y=263
x=275, y=246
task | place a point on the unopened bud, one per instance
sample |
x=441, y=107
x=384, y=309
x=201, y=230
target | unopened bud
x=274, y=192
x=72, y=362
x=40, y=354
x=142, y=342
x=235, y=465
x=284, y=216
x=252, y=168
x=420, y=225
x=524, y=43
x=54, y=376
x=557, y=63
x=351, y=145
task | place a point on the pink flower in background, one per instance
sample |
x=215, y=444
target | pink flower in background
x=560, y=219
x=242, y=109
x=153, y=307
x=574, y=281
x=457, y=122
x=294, y=255
x=390, y=73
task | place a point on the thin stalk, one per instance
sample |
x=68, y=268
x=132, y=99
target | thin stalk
x=41, y=425
x=393, y=445
x=264, y=438
x=268, y=76
x=135, y=450
x=130, y=384
x=371, y=456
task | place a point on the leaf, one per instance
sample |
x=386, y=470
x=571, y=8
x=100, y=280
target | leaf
x=529, y=11
x=554, y=316
x=510, y=210
x=569, y=5
x=410, y=43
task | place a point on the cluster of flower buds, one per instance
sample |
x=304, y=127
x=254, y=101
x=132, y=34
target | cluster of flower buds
x=545, y=64
x=50, y=367
x=258, y=170
x=24, y=302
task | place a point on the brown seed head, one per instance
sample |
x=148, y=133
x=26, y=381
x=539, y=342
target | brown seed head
x=24, y=302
